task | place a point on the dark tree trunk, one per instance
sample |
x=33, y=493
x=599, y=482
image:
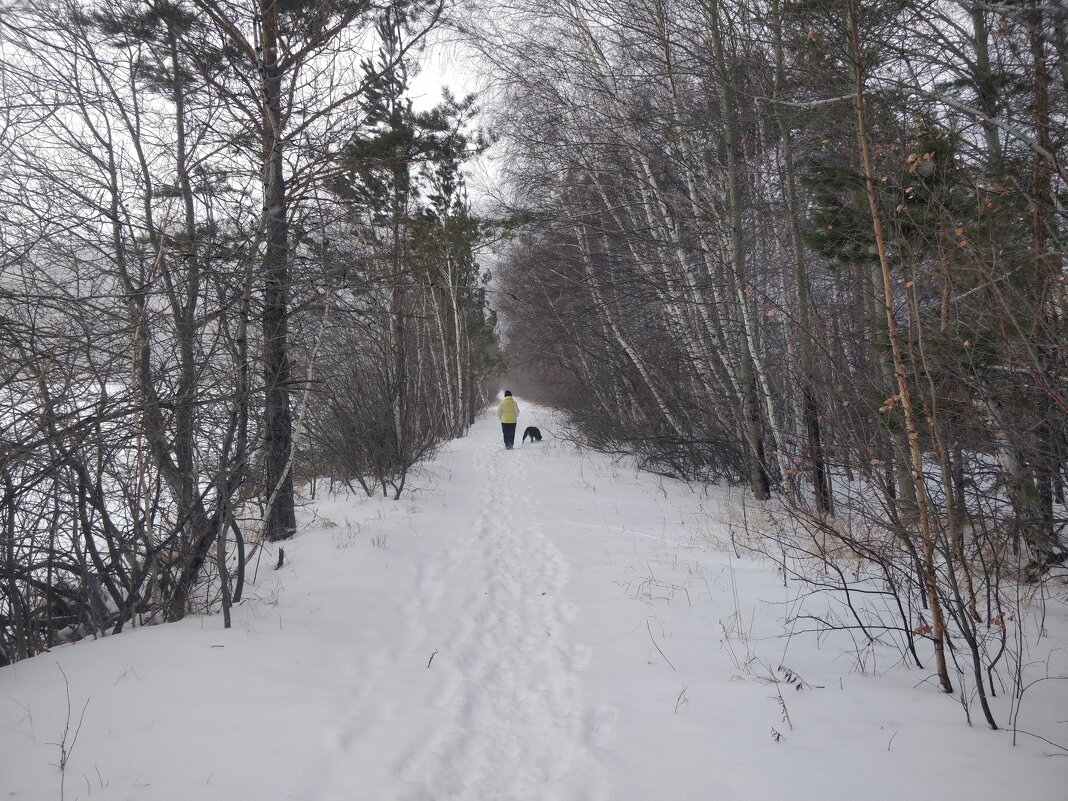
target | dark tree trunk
x=277, y=419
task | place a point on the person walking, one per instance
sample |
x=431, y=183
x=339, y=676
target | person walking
x=508, y=414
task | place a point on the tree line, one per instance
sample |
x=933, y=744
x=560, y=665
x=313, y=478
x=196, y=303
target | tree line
x=816, y=248
x=233, y=256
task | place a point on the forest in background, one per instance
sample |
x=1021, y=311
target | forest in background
x=233, y=256
x=816, y=248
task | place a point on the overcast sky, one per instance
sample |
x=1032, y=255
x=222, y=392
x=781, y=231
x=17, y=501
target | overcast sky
x=447, y=62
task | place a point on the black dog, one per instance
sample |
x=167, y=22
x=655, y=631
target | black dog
x=533, y=433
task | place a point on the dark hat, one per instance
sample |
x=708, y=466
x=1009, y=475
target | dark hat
x=508, y=393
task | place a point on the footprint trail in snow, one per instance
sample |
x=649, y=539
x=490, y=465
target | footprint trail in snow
x=495, y=708
x=512, y=703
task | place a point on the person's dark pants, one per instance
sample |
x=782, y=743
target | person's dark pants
x=509, y=434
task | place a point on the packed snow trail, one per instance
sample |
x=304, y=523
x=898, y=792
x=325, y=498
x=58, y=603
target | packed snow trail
x=484, y=665
x=541, y=624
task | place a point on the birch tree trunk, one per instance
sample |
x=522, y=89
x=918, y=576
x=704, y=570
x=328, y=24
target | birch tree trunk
x=809, y=408
x=759, y=481
x=615, y=330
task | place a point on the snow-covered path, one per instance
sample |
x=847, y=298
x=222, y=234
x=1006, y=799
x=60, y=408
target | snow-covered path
x=510, y=722
x=484, y=670
x=537, y=625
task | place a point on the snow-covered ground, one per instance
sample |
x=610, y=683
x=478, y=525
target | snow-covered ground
x=530, y=624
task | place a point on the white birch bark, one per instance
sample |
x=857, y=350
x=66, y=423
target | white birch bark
x=616, y=332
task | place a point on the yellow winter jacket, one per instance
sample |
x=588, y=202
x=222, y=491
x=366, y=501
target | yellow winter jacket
x=508, y=411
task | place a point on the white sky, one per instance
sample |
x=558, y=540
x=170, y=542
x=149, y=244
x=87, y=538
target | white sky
x=448, y=63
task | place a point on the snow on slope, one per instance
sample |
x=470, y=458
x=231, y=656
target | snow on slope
x=533, y=624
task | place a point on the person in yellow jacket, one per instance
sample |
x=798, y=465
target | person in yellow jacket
x=508, y=414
